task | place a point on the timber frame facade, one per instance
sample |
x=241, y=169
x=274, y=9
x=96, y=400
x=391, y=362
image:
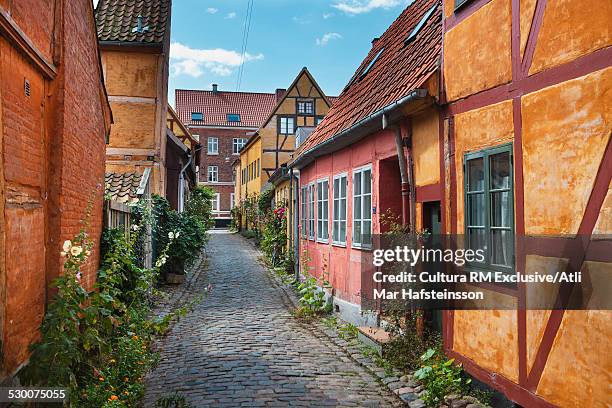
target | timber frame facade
x=539, y=82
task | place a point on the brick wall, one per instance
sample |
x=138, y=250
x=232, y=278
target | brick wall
x=223, y=160
x=53, y=166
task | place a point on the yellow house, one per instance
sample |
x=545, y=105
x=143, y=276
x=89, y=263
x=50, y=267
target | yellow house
x=303, y=105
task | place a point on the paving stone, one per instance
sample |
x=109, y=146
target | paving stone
x=242, y=347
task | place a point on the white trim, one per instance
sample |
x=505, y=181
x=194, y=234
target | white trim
x=361, y=170
x=311, y=209
x=319, y=218
x=346, y=198
x=217, y=183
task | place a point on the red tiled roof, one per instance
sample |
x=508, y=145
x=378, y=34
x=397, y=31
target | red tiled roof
x=399, y=70
x=116, y=20
x=252, y=107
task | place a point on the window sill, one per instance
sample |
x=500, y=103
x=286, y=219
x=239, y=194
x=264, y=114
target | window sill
x=339, y=244
x=322, y=241
x=212, y=154
x=362, y=248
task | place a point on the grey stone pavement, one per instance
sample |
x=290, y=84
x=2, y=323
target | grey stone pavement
x=241, y=346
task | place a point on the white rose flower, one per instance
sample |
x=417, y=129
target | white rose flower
x=67, y=245
x=62, y=253
x=135, y=227
x=176, y=234
x=171, y=235
x=76, y=250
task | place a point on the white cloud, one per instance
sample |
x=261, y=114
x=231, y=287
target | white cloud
x=327, y=38
x=231, y=15
x=327, y=15
x=212, y=10
x=364, y=6
x=194, y=62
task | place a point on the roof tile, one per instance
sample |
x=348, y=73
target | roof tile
x=252, y=107
x=400, y=69
x=116, y=20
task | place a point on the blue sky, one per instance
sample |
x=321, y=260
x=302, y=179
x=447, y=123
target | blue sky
x=330, y=37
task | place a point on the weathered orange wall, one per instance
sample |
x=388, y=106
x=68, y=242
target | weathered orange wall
x=565, y=131
x=571, y=29
x=426, y=147
x=134, y=125
x=477, y=53
x=527, y=9
x=476, y=130
x=53, y=144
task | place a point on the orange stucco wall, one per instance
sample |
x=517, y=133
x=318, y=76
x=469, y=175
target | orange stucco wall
x=571, y=29
x=476, y=130
x=565, y=131
x=426, y=147
x=476, y=53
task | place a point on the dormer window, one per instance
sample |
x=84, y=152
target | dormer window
x=418, y=27
x=197, y=116
x=371, y=64
x=233, y=117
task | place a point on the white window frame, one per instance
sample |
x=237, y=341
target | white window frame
x=237, y=144
x=323, y=210
x=231, y=201
x=304, y=214
x=213, y=149
x=356, y=243
x=284, y=130
x=337, y=219
x=311, y=211
x=214, y=171
x=216, y=203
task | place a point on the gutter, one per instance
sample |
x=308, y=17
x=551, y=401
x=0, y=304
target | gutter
x=359, y=130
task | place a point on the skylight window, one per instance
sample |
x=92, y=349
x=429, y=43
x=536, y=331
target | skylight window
x=419, y=27
x=371, y=64
x=197, y=116
x=233, y=117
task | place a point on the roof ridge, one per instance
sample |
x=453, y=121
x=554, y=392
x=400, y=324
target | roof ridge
x=236, y=92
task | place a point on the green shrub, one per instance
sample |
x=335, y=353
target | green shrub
x=440, y=376
x=274, y=240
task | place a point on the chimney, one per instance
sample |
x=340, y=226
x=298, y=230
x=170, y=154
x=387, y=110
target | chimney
x=215, y=88
x=375, y=40
x=280, y=93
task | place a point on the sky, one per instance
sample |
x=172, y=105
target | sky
x=330, y=37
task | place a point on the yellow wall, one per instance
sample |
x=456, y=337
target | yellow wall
x=249, y=155
x=426, y=147
x=130, y=74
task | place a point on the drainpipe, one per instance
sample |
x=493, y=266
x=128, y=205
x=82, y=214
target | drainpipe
x=401, y=157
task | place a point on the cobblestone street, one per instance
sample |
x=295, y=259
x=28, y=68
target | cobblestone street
x=241, y=346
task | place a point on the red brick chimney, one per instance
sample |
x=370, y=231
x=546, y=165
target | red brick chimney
x=280, y=93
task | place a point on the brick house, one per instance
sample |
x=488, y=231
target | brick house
x=134, y=39
x=54, y=120
x=222, y=121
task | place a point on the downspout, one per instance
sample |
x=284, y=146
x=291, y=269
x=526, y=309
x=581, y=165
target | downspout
x=405, y=178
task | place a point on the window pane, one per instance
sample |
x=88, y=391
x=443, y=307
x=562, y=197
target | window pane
x=367, y=207
x=367, y=181
x=500, y=170
x=357, y=208
x=501, y=209
x=476, y=239
x=476, y=210
x=343, y=187
x=343, y=209
x=357, y=232
x=357, y=184
x=336, y=188
x=475, y=173
x=501, y=247
x=367, y=234
x=342, y=233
